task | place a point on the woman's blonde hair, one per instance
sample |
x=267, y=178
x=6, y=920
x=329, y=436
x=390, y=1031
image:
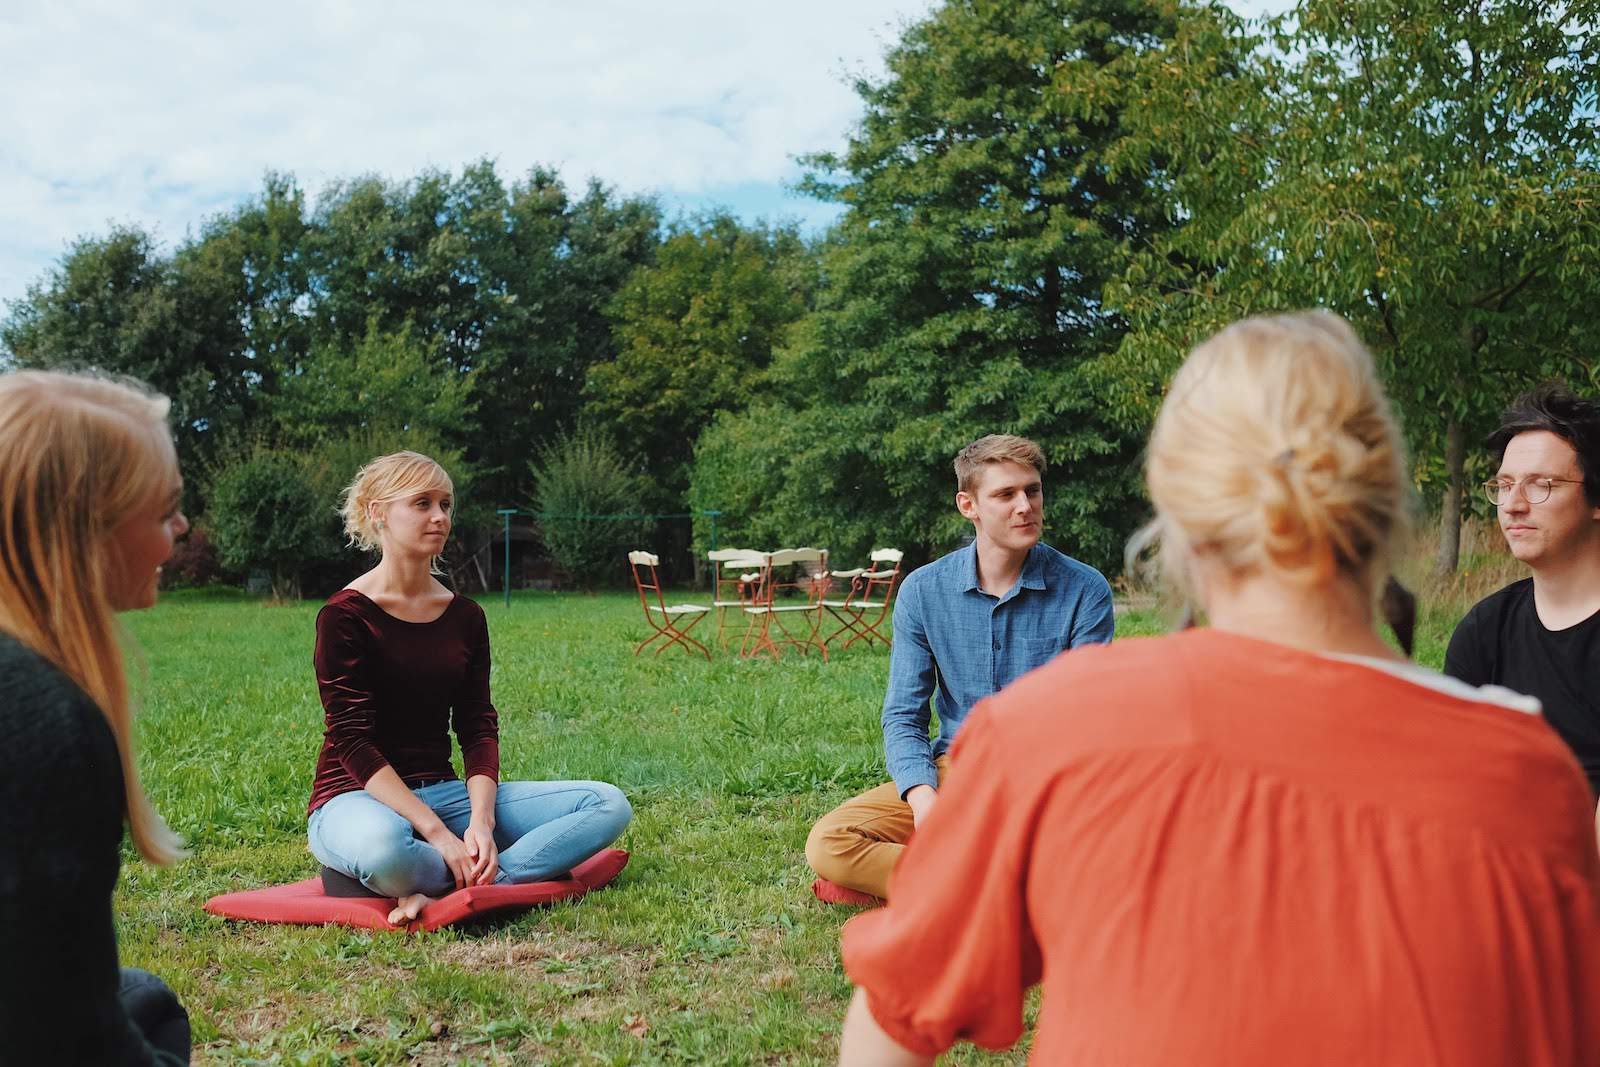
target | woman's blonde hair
x=1275, y=448
x=79, y=456
x=380, y=481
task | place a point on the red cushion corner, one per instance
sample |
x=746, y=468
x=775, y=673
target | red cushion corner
x=599, y=869
x=477, y=901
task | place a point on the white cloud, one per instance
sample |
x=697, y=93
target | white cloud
x=159, y=114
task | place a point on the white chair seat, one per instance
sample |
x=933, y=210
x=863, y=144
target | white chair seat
x=678, y=609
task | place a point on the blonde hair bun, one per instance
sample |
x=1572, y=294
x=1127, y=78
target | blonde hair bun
x=1276, y=448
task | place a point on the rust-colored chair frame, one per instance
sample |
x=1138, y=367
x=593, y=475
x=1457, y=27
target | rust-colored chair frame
x=667, y=625
x=853, y=610
x=746, y=566
x=766, y=614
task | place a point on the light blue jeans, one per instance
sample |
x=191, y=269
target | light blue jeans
x=542, y=829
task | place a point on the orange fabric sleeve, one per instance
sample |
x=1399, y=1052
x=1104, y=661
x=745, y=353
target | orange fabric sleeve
x=952, y=955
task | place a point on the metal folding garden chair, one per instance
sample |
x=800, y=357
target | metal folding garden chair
x=666, y=621
x=735, y=574
x=788, y=612
x=865, y=609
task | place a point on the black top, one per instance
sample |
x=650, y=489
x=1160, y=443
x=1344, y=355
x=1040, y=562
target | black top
x=61, y=816
x=1502, y=642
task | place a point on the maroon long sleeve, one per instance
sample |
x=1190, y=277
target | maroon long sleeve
x=392, y=690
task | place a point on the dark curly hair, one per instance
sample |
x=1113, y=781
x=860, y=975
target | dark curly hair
x=1557, y=409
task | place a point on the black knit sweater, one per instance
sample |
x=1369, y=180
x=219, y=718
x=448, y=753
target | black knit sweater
x=61, y=816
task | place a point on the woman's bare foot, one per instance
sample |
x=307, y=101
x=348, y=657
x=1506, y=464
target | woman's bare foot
x=409, y=908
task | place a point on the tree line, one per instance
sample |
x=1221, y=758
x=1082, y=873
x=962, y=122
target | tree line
x=1044, y=204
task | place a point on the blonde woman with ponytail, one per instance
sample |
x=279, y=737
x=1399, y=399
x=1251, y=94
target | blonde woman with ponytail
x=1266, y=840
x=89, y=490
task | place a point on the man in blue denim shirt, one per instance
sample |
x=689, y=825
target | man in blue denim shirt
x=965, y=626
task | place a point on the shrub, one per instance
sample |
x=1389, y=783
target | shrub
x=265, y=513
x=194, y=562
x=581, y=483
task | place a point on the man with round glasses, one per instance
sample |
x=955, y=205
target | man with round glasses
x=1541, y=635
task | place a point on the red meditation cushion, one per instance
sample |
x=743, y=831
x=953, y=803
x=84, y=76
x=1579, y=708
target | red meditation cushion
x=306, y=903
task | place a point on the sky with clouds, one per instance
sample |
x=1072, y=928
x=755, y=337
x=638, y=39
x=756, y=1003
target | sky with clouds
x=159, y=115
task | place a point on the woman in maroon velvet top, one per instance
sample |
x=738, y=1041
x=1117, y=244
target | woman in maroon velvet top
x=401, y=660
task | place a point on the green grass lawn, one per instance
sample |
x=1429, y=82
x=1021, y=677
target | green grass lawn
x=708, y=949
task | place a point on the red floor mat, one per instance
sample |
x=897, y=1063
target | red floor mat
x=306, y=904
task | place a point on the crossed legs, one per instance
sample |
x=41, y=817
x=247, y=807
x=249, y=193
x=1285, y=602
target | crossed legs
x=857, y=844
x=542, y=829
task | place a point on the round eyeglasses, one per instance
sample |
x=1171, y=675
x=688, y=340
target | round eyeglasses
x=1535, y=490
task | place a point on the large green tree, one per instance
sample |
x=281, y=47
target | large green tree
x=266, y=514
x=504, y=288
x=244, y=288
x=587, y=498
x=1428, y=169
x=112, y=305
x=212, y=324
x=694, y=332
x=571, y=257
x=962, y=287
x=388, y=387
x=509, y=284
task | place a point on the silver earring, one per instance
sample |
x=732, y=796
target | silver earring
x=380, y=524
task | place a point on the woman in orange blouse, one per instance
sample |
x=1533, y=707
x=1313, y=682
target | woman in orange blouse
x=1268, y=841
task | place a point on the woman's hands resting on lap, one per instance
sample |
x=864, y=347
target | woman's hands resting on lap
x=473, y=861
x=479, y=841
x=481, y=789
x=473, y=858
x=453, y=850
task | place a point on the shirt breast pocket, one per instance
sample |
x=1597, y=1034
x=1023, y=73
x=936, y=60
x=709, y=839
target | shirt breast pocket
x=1032, y=652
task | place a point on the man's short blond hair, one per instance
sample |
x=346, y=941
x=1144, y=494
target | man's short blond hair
x=995, y=448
